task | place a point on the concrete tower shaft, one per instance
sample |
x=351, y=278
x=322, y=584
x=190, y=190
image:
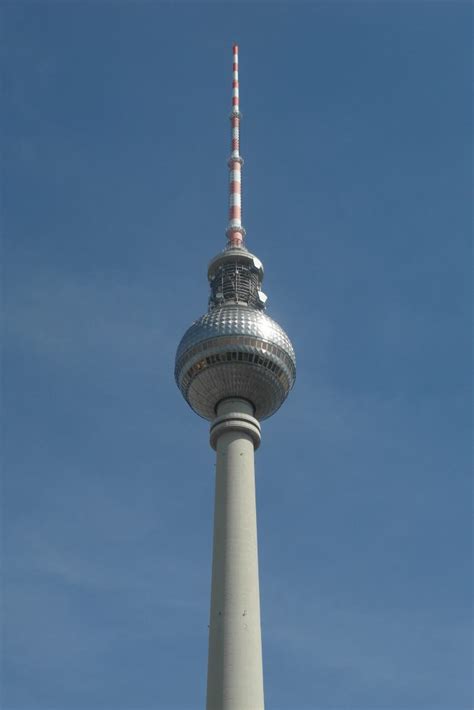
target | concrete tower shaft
x=235, y=671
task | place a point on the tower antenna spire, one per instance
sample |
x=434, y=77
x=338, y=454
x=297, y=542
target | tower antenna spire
x=235, y=231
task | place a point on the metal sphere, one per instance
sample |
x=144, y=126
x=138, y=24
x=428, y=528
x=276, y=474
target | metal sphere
x=235, y=351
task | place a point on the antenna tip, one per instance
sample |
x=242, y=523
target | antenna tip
x=235, y=47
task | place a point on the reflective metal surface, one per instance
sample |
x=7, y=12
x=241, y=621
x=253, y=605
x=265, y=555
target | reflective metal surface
x=235, y=351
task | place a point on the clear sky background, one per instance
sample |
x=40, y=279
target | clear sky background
x=356, y=139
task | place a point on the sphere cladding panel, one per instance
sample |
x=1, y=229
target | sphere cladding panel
x=235, y=320
x=207, y=368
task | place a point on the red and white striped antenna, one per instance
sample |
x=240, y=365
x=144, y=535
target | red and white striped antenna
x=235, y=231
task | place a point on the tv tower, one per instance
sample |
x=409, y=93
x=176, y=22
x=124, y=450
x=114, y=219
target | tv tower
x=235, y=366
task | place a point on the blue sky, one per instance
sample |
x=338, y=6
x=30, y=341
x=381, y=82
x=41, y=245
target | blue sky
x=356, y=137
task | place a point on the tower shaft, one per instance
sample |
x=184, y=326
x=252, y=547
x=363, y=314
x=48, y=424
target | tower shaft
x=235, y=675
